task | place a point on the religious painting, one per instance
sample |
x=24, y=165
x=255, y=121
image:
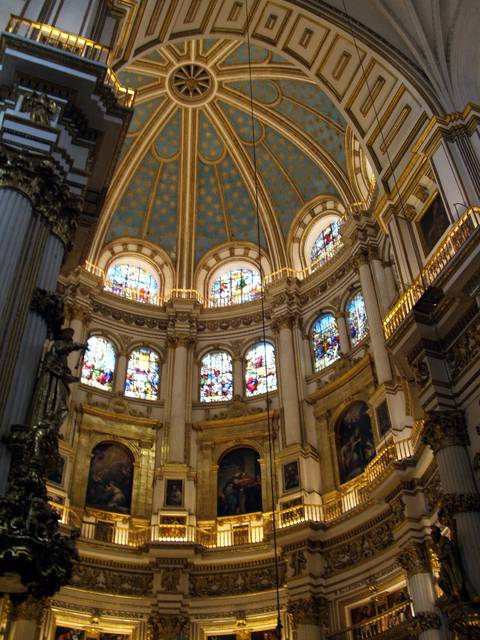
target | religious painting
x=383, y=418
x=110, y=478
x=113, y=636
x=174, y=493
x=239, y=485
x=355, y=445
x=67, y=633
x=362, y=613
x=56, y=475
x=291, y=476
x=433, y=224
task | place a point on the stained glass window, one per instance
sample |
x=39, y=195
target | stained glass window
x=99, y=363
x=357, y=319
x=133, y=282
x=328, y=240
x=325, y=342
x=216, y=381
x=260, y=369
x=143, y=374
x=234, y=287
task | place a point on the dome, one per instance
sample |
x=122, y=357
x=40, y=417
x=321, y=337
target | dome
x=188, y=163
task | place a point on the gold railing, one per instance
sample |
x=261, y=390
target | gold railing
x=53, y=37
x=394, y=618
x=72, y=43
x=450, y=246
x=301, y=274
x=184, y=294
x=92, y=268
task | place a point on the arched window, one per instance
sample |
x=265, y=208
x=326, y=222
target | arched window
x=132, y=281
x=325, y=341
x=239, y=483
x=216, y=381
x=326, y=243
x=357, y=319
x=235, y=286
x=355, y=446
x=260, y=369
x=143, y=374
x=110, y=478
x=98, y=363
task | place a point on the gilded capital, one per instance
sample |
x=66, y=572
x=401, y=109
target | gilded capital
x=445, y=429
x=309, y=611
x=414, y=559
x=29, y=609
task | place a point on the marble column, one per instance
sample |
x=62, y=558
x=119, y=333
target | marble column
x=413, y=558
x=446, y=433
x=178, y=408
x=309, y=617
x=343, y=332
x=288, y=383
x=381, y=287
x=377, y=339
x=26, y=619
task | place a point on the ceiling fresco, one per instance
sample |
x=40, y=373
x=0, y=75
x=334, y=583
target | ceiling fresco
x=295, y=140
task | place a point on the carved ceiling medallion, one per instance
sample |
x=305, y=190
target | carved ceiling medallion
x=191, y=83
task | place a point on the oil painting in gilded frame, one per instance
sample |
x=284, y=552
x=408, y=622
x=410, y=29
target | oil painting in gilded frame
x=291, y=476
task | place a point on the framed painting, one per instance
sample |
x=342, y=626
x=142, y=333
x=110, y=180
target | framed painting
x=383, y=419
x=433, y=224
x=174, y=493
x=239, y=484
x=291, y=476
x=68, y=633
x=355, y=444
x=110, y=478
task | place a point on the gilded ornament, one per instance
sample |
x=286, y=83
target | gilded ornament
x=445, y=429
x=41, y=108
x=414, y=559
x=312, y=611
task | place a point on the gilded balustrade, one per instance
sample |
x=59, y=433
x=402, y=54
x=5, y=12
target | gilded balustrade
x=72, y=43
x=396, y=618
x=460, y=233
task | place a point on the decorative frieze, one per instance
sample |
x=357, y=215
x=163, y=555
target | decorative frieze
x=124, y=582
x=236, y=581
x=445, y=429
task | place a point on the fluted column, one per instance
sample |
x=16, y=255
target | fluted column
x=288, y=383
x=380, y=279
x=26, y=619
x=377, y=340
x=414, y=561
x=446, y=433
x=342, y=332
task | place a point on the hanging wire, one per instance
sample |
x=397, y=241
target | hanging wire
x=380, y=129
x=271, y=451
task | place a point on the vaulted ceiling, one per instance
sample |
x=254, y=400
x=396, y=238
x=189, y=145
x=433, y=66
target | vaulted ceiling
x=188, y=164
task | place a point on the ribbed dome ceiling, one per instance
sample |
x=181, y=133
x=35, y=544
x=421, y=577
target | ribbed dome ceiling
x=190, y=146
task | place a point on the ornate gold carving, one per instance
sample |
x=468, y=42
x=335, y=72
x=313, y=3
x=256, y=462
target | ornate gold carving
x=423, y=621
x=118, y=582
x=312, y=610
x=453, y=503
x=445, y=429
x=49, y=193
x=40, y=107
x=169, y=626
x=465, y=349
x=414, y=559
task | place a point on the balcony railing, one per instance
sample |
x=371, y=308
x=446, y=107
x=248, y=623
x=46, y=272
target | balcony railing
x=461, y=232
x=393, y=622
x=230, y=531
x=75, y=44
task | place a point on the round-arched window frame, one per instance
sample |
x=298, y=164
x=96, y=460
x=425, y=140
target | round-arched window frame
x=143, y=374
x=325, y=341
x=260, y=372
x=98, y=365
x=216, y=377
x=236, y=285
x=132, y=279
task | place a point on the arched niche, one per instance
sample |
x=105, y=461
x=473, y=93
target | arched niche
x=354, y=441
x=239, y=486
x=110, y=478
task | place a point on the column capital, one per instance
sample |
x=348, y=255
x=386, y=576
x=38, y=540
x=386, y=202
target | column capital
x=312, y=610
x=168, y=626
x=453, y=503
x=29, y=609
x=39, y=180
x=413, y=559
x=445, y=429
x=181, y=340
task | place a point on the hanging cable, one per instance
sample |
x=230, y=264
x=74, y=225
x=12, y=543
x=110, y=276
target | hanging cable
x=271, y=450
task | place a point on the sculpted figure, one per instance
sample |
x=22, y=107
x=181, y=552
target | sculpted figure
x=451, y=580
x=50, y=401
